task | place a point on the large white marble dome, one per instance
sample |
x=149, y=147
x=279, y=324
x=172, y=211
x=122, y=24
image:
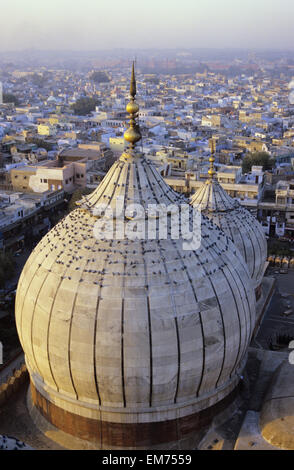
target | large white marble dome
x=237, y=222
x=126, y=333
x=133, y=326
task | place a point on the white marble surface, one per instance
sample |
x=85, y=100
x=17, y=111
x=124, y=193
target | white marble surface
x=132, y=326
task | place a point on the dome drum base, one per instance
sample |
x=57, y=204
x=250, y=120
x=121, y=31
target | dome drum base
x=181, y=433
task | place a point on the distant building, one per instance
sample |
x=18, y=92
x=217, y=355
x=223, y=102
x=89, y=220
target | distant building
x=212, y=121
x=277, y=213
x=46, y=129
x=117, y=144
x=25, y=216
x=67, y=172
x=42, y=178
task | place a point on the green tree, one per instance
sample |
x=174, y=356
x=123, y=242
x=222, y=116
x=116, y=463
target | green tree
x=10, y=98
x=40, y=143
x=38, y=79
x=99, y=77
x=85, y=105
x=257, y=158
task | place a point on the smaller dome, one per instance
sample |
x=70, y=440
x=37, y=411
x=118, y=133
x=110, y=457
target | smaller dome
x=236, y=222
x=211, y=197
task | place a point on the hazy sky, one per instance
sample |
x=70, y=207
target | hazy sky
x=103, y=24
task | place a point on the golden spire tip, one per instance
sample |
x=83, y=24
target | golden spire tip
x=133, y=88
x=211, y=170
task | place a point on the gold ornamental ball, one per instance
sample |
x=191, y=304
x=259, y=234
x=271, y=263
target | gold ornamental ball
x=132, y=107
x=131, y=135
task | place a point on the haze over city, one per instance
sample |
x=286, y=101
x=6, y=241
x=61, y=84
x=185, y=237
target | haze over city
x=92, y=25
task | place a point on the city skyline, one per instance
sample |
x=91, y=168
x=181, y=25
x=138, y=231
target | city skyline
x=61, y=25
x=128, y=320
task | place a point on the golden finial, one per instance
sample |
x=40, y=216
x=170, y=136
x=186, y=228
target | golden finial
x=133, y=89
x=133, y=133
x=211, y=170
